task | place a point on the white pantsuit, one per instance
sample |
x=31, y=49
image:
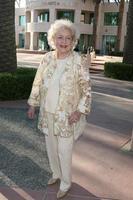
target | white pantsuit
x=61, y=88
x=59, y=151
x=59, y=148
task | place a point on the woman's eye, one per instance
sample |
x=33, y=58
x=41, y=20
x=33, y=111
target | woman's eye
x=68, y=38
x=64, y=38
x=59, y=37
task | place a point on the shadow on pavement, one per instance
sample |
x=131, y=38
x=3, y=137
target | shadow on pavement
x=77, y=192
x=21, y=171
x=21, y=194
x=115, y=116
x=23, y=157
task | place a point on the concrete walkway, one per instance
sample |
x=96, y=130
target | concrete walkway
x=33, y=60
x=102, y=166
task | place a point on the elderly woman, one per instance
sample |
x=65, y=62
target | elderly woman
x=62, y=90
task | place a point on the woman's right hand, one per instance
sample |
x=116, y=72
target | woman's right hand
x=31, y=112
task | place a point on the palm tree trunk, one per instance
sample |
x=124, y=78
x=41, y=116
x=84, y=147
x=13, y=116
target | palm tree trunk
x=7, y=36
x=96, y=15
x=128, y=50
x=119, y=30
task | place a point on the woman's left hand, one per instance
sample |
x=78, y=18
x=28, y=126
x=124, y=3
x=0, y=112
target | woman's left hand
x=74, y=117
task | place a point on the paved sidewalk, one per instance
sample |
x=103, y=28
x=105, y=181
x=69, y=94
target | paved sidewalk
x=102, y=169
x=33, y=60
x=97, y=63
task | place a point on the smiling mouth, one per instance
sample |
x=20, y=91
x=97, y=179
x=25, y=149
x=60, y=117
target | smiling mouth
x=63, y=46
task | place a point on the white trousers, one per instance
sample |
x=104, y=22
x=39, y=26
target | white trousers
x=59, y=151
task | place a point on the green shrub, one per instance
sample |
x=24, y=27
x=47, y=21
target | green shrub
x=119, y=53
x=97, y=51
x=16, y=85
x=119, y=71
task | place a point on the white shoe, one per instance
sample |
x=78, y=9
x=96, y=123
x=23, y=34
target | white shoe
x=52, y=181
x=61, y=194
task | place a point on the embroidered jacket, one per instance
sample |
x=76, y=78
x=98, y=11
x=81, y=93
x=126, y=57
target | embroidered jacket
x=75, y=93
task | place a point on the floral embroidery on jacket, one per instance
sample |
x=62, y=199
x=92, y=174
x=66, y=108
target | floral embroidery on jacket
x=75, y=92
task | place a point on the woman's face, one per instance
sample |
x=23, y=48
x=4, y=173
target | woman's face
x=63, y=41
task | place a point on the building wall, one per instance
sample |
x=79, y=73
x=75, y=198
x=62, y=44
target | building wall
x=33, y=27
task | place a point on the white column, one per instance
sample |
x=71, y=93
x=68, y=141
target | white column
x=33, y=16
x=27, y=40
x=52, y=15
x=17, y=38
x=77, y=16
x=33, y=41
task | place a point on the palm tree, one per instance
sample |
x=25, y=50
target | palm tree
x=96, y=15
x=8, y=61
x=119, y=30
x=128, y=50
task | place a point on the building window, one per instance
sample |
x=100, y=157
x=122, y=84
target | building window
x=43, y=16
x=65, y=14
x=21, y=40
x=43, y=43
x=91, y=18
x=28, y=16
x=111, y=18
x=109, y=44
x=82, y=18
x=22, y=20
x=85, y=42
x=90, y=41
x=87, y=17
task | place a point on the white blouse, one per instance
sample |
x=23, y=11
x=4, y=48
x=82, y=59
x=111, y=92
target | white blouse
x=54, y=87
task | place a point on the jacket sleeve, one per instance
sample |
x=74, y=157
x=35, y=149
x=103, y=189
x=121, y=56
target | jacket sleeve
x=34, y=98
x=84, y=87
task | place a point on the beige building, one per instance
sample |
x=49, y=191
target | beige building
x=33, y=22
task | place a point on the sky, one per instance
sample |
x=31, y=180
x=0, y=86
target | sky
x=22, y=4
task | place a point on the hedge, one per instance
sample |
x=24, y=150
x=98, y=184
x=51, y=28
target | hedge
x=16, y=85
x=119, y=53
x=119, y=71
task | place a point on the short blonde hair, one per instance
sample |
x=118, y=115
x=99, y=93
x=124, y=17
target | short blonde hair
x=56, y=26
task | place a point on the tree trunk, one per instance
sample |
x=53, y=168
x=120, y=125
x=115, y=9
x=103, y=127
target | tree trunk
x=96, y=15
x=128, y=50
x=119, y=30
x=8, y=61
